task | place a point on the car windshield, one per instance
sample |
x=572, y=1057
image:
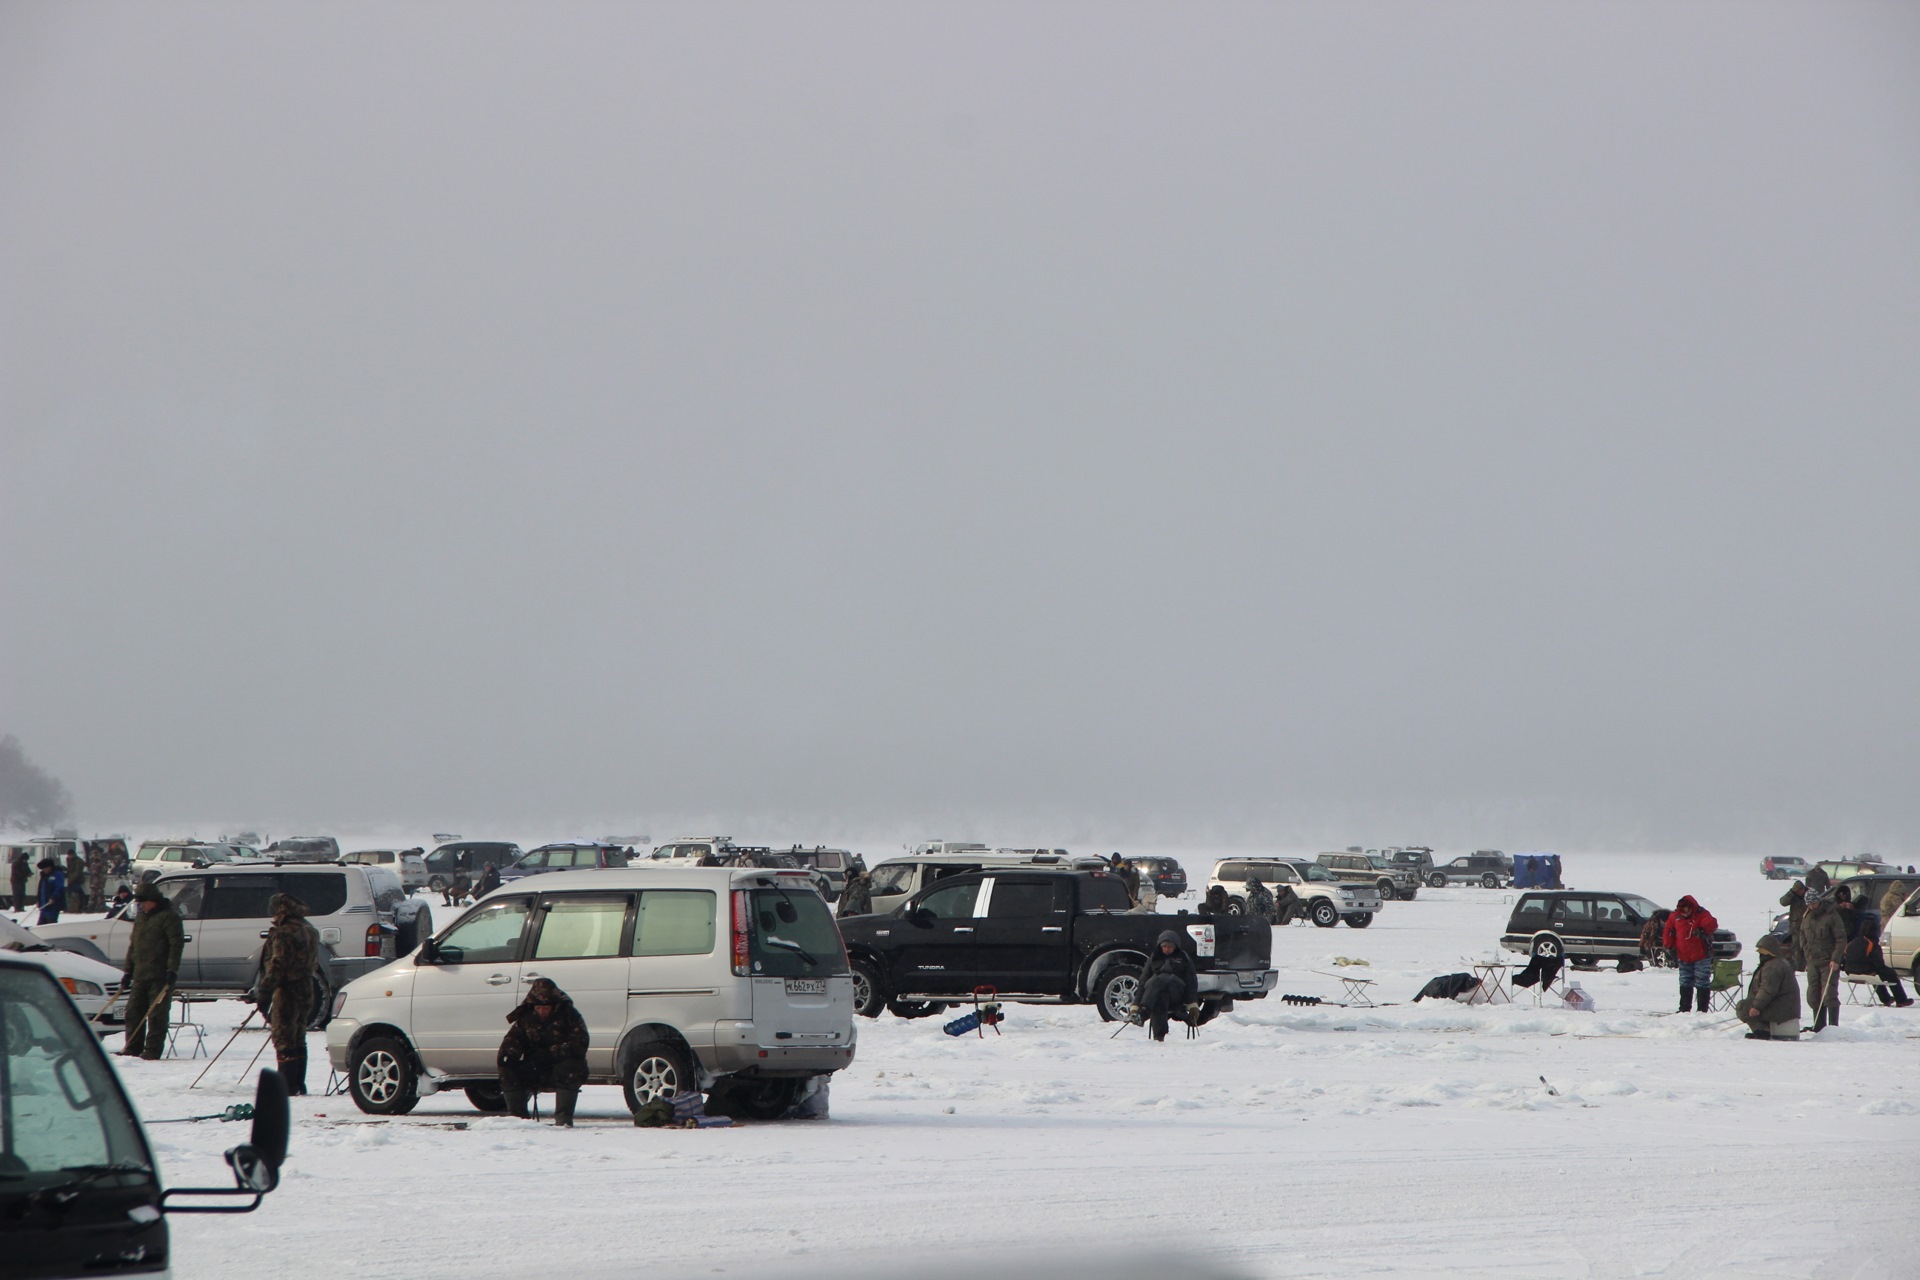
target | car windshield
x=1314, y=871
x=1639, y=905
x=893, y=877
x=1381, y=863
x=61, y=1112
x=793, y=934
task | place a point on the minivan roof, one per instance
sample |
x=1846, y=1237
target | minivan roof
x=649, y=875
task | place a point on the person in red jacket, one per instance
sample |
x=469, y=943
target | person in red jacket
x=1689, y=935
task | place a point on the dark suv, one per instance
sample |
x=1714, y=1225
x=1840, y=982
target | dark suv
x=444, y=863
x=1585, y=927
x=1489, y=869
x=567, y=855
x=1169, y=877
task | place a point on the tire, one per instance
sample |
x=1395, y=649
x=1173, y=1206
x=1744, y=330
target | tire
x=487, y=1098
x=1324, y=914
x=322, y=1004
x=81, y=947
x=382, y=1078
x=656, y=1069
x=1547, y=946
x=1388, y=891
x=869, y=996
x=760, y=1099
x=1489, y=881
x=915, y=1008
x=437, y=884
x=1437, y=881
x=1236, y=906
x=1359, y=919
x=1117, y=992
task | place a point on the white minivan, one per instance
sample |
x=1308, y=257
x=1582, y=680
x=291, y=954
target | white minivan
x=726, y=980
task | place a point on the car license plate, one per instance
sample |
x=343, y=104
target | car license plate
x=806, y=986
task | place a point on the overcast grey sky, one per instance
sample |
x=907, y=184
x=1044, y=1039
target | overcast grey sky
x=1493, y=423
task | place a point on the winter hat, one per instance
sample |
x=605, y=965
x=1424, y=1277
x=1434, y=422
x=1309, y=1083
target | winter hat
x=1772, y=945
x=286, y=903
x=148, y=892
x=45, y=864
x=544, y=992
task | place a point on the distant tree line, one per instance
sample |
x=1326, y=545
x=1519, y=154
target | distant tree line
x=30, y=797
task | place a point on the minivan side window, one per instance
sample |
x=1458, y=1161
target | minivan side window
x=675, y=922
x=1531, y=911
x=579, y=927
x=1575, y=911
x=491, y=935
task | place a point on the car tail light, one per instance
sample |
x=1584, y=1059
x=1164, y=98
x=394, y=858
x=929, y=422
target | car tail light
x=373, y=939
x=741, y=960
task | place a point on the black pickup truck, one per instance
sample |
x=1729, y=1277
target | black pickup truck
x=1039, y=936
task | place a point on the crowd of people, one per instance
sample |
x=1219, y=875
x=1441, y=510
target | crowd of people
x=1828, y=934
x=76, y=883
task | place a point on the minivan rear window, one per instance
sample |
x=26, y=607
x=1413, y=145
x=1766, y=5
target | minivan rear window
x=807, y=946
x=675, y=922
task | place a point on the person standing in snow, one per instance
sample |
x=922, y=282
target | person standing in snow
x=856, y=899
x=545, y=1048
x=53, y=892
x=1890, y=903
x=96, y=862
x=1823, y=948
x=1795, y=901
x=154, y=947
x=1129, y=876
x=1771, y=1009
x=19, y=872
x=1689, y=935
x=1166, y=983
x=1259, y=900
x=1652, y=937
x=286, y=986
x=76, y=881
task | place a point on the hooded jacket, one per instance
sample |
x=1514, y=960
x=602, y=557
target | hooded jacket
x=1773, y=991
x=543, y=1042
x=292, y=947
x=1823, y=939
x=1178, y=965
x=156, y=940
x=1689, y=931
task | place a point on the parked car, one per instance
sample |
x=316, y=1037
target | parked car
x=1418, y=857
x=363, y=916
x=690, y=978
x=1784, y=867
x=1169, y=877
x=1900, y=935
x=155, y=856
x=1371, y=868
x=564, y=855
x=832, y=864
x=1037, y=933
x=93, y=984
x=79, y=1188
x=304, y=849
x=409, y=864
x=1490, y=870
x=1839, y=869
x=1585, y=927
x=443, y=864
x=1325, y=900
x=897, y=879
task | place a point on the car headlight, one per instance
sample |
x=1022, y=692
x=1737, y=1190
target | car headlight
x=81, y=987
x=1346, y=893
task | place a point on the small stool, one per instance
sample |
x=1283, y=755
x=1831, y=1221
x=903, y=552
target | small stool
x=1859, y=988
x=1355, y=989
x=184, y=1024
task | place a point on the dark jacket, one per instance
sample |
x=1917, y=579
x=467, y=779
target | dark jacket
x=1795, y=901
x=488, y=882
x=1823, y=939
x=1773, y=991
x=539, y=1042
x=53, y=888
x=292, y=948
x=1259, y=900
x=1216, y=901
x=157, y=939
x=1689, y=931
x=857, y=898
x=1178, y=965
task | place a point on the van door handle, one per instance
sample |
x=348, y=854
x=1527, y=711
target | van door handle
x=531, y=977
x=498, y=980
x=1050, y=928
x=961, y=928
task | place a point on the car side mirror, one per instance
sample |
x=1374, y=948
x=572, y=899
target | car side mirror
x=921, y=917
x=255, y=1164
x=429, y=951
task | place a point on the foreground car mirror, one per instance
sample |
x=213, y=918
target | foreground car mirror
x=255, y=1164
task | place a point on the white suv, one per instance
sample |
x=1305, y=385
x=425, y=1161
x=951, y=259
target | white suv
x=689, y=978
x=1324, y=900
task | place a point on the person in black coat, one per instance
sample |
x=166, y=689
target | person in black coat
x=1166, y=983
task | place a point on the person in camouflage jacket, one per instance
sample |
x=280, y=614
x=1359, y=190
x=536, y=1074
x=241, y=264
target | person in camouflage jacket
x=285, y=989
x=857, y=898
x=1823, y=946
x=1259, y=899
x=96, y=863
x=545, y=1048
x=154, y=948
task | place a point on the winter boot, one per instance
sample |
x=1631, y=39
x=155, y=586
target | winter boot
x=293, y=1071
x=516, y=1103
x=1686, y=999
x=563, y=1100
x=1761, y=1034
x=1702, y=997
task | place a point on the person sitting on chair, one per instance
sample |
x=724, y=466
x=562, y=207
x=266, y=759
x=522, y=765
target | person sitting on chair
x=1166, y=983
x=545, y=1048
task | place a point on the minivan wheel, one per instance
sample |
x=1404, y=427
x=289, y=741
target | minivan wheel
x=762, y=1099
x=382, y=1079
x=487, y=1097
x=1437, y=881
x=656, y=1069
x=1118, y=991
x=1547, y=947
x=869, y=998
x=1325, y=914
x=437, y=884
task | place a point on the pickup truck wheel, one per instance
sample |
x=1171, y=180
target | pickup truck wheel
x=487, y=1097
x=1437, y=880
x=869, y=997
x=1548, y=946
x=1359, y=919
x=656, y=1069
x=1490, y=881
x=914, y=1008
x=1117, y=992
x=1325, y=914
x=381, y=1078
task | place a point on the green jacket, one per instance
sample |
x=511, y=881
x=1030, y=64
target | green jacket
x=1773, y=991
x=1825, y=936
x=154, y=946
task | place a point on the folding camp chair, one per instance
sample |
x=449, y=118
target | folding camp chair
x=1859, y=988
x=1727, y=984
x=185, y=1025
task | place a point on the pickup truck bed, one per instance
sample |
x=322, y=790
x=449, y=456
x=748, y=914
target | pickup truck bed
x=1041, y=936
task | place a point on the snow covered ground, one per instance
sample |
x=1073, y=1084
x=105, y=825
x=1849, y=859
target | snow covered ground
x=1409, y=1140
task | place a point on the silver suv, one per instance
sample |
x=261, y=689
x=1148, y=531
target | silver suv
x=363, y=916
x=1370, y=868
x=723, y=979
